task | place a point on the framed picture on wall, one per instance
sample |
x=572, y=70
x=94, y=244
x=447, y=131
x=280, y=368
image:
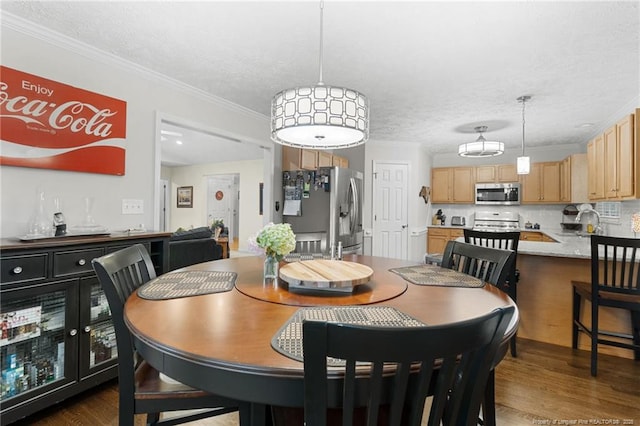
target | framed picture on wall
x=185, y=196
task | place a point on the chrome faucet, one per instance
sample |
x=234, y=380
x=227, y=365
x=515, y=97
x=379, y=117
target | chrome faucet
x=597, y=229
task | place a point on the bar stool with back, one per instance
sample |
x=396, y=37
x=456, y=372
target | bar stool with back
x=615, y=283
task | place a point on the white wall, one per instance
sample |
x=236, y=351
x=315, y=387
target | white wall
x=419, y=175
x=251, y=174
x=36, y=51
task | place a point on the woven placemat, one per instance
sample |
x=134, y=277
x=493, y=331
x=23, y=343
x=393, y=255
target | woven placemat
x=187, y=283
x=288, y=340
x=437, y=276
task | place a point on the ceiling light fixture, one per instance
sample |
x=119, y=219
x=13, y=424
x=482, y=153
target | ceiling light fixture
x=481, y=147
x=523, y=163
x=320, y=117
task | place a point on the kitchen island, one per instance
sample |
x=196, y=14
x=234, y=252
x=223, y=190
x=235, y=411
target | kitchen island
x=545, y=293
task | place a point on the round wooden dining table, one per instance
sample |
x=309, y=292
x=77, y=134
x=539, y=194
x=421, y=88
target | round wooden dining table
x=221, y=342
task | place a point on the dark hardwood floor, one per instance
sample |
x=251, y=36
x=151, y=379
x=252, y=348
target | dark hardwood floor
x=544, y=385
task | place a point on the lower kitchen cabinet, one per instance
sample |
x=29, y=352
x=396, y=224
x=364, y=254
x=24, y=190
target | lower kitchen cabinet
x=437, y=238
x=57, y=336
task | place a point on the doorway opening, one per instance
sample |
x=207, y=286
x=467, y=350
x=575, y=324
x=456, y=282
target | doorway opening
x=223, y=203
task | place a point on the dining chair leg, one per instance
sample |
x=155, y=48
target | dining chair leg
x=253, y=414
x=635, y=329
x=576, y=317
x=594, y=338
x=489, y=402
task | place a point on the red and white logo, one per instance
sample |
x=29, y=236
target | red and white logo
x=46, y=124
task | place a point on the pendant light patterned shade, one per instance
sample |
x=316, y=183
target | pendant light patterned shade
x=320, y=117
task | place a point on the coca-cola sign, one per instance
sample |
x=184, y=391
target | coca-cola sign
x=50, y=125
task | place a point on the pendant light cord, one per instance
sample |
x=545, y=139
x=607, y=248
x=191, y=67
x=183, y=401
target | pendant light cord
x=320, y=82
x=523, y=99
x=523, y=102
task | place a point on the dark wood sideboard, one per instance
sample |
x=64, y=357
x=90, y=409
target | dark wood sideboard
x=57, y=337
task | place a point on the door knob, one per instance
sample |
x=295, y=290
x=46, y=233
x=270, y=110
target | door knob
x=404, y=226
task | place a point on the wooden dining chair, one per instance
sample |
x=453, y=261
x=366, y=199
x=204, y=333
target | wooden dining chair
x=502, y=240
x=141, y=390
x=491, y=265
x=402, y=367
x=615, y=283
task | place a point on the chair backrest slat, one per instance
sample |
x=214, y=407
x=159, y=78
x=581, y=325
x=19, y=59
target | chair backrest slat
x=401, y=372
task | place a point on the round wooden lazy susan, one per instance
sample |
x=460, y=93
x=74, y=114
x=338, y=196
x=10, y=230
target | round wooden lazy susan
x=329, y=275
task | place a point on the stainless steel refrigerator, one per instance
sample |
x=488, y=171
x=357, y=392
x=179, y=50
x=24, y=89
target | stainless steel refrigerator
x=327, y=200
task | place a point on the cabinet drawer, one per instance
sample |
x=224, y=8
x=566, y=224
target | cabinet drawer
x=456, y=233
x=438, y=232
x=23, y=268
x=112, y=249
x=74, y=262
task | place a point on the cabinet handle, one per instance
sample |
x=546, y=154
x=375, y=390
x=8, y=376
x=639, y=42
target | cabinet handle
x=87, y=328
x=73, y=332
x=82, y=262
x=17, y=270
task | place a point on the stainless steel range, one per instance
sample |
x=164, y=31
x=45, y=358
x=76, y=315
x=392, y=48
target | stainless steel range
x=496, y=221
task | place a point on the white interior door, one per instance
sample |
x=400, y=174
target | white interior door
x=390, y=216
x=222, y=193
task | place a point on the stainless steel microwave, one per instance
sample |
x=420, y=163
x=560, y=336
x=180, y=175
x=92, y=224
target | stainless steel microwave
x=506, y=194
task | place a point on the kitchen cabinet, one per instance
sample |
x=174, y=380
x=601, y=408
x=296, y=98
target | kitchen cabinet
x=452, y=185
x=536, y=236
x=578, y=186
x=57, y=336
x=613, y=160
x=340, y=161
x=310, y=159
x=505, y=173
x=299, y=159
x=619, y=159
x=565, y=180
x=595, y=160
x=325, y=159
x=437, y=238
x=542, y=184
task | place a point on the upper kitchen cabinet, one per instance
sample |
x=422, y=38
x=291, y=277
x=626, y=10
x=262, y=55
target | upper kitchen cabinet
x=565, y=180
x=613, y=161
x=595, y=173
x=577, y=184
x=452, y=185
x=340, y=161
x=310, y=159
x=325, y=159
x=542, y=184
x=499, y=173
x=299, y=159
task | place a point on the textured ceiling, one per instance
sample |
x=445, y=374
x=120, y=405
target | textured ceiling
x=432, y=70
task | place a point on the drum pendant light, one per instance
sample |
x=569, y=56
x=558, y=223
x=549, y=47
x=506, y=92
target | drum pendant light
x=481, y=147
x=320, y=116
x=523, y=164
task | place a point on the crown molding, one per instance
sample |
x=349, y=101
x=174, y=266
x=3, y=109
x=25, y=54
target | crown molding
x=46, y=35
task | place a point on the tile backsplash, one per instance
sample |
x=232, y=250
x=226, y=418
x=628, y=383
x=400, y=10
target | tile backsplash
x=547, y=216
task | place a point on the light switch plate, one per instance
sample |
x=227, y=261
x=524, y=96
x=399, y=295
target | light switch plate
x=130, y=206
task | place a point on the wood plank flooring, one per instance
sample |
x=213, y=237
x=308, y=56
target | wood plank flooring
x=544, y=385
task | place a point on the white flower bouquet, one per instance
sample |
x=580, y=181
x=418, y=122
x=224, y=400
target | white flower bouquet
x=277, y=240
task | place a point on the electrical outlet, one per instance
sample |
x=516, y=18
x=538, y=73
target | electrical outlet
x=130, y=206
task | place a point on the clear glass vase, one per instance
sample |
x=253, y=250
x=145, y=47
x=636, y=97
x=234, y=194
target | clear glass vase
x=41, y=224
x=270, y=272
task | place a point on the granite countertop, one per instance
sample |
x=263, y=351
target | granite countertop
x=567, y=245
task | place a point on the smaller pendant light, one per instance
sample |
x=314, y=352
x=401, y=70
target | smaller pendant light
x=523, y=164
